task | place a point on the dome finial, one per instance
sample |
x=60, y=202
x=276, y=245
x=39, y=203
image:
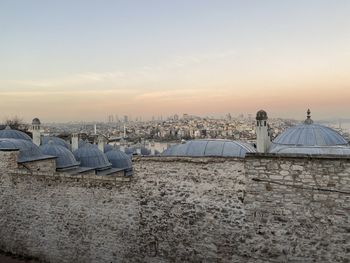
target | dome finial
x=308, y=119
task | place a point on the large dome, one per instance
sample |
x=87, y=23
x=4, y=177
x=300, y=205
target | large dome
x=310, y=138
x=28, y=151
x=14, y=134
x=310, y=135
x=90, y=156
x=65, y=158
x=199, y=148
x=119, y=159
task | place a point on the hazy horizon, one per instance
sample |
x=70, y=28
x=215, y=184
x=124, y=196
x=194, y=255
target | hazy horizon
x=84, y=60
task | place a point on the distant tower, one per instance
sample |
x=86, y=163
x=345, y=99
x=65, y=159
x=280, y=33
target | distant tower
x=95, y=129
x=36, y=131
x=262, y=133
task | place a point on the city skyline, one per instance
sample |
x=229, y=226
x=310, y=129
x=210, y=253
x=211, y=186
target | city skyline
x=64, y=61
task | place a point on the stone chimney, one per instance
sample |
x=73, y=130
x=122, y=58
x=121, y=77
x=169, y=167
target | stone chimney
x=122, y=148
x=262, y=134
x=101, y=141
x=75, y=141
x=36, y=131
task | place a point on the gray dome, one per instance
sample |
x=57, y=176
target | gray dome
x=310, y=135
x=36, y=121
x=108, y=148
x=55, y=140
x=65, y=158
x=28, y=151
x=90, y=156
x=133, y=150
x=119, y=159
x=14, y=134
x=130, y=150
x=82, y=143
x=224, y=148
x=261, y=115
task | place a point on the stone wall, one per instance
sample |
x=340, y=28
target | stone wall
x=8, y=160
x=261, y=209
x=45, y=166
x=172, y=210
x=298, y=209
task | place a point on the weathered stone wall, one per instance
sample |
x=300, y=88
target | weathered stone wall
x=45, y=166
x=298, y=209
x=172, y=210
x=8, y=160
x=261, y=209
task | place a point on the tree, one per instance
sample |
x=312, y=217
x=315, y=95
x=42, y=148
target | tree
x=16, y=123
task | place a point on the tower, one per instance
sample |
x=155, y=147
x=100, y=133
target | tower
x=36, y=131
x=262, y=132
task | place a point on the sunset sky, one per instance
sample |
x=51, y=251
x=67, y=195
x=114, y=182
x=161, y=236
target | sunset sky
x=83, y=60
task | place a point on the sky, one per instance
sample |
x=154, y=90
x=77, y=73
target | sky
x=86, y=59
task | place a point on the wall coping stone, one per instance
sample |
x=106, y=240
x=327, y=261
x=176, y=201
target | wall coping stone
x=296, y=156
x=186, y=159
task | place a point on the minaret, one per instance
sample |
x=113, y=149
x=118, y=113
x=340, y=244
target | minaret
x=36, y=131
x=262, y=133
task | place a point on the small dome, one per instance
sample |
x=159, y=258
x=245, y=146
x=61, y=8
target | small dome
x=82, y=143
x=108, y=148
x=133, y=150
x=36, y=121
x=65, y=158
x=14, y=134
x=90, y=156
x=261, y=115
x=55, y=140
x=225, y=148
x=28, y=151
x=119, y=159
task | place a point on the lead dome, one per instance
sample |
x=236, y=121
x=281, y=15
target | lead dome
x=14, y=134
x=90, y=156
x=54, y=140
x=225, y=148
x=65, y=158
x=28, y=151
x=119, y=159
x=310, y=138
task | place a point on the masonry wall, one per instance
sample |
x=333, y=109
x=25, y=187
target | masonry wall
x=172, y=210
x=261, y=209
x=298, y=208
